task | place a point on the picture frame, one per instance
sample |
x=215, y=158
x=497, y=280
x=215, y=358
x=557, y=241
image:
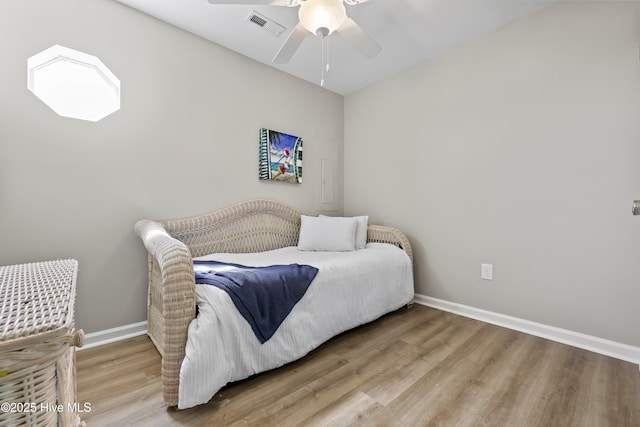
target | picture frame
x=280, y=156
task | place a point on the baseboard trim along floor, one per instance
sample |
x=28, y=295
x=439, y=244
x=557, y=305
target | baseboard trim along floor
x=107, y=336
x=587, y=342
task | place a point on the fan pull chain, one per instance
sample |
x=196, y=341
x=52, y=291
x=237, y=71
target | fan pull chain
x=324, y=58
x=327, y=67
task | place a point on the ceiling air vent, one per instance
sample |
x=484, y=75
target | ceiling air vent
x=267, y=24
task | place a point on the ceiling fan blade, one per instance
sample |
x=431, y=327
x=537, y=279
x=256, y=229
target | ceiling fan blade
x=359, y=38
x=291, y=45
x=264, y=2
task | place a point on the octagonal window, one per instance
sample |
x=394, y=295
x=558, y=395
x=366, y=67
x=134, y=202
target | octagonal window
x=73, y=84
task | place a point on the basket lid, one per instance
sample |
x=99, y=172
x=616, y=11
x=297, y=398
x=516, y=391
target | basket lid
x=36, y=298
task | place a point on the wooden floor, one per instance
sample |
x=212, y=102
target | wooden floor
x=415, y=367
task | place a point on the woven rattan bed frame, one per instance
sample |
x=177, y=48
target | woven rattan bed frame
x=251, y=226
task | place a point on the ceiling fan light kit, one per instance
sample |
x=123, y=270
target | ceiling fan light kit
x=321, y=18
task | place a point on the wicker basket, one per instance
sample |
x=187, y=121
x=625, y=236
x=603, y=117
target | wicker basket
x=37, y=339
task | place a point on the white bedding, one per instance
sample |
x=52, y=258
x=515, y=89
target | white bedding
x=350, y=289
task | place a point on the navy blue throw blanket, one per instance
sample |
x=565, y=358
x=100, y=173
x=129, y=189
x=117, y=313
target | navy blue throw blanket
x=263, y=295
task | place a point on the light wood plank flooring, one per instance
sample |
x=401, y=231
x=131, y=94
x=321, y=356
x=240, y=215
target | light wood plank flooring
x=414, y=367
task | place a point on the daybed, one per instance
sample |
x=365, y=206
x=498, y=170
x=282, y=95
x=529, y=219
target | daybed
x=257, y=232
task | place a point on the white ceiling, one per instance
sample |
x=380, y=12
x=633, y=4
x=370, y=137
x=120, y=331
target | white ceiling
x=409, y=32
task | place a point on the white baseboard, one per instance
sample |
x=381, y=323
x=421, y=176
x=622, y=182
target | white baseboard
x=107, y=336
x=598, y=345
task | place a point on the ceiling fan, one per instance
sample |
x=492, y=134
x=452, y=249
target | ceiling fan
x=321, y=18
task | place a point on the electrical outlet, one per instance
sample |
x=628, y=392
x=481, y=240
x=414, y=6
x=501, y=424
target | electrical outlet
x=486, y=271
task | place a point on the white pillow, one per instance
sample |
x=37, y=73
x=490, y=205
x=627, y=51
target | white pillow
x=327, y=234
x=361, y=230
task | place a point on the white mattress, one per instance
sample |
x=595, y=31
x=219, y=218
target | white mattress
x=350, y=289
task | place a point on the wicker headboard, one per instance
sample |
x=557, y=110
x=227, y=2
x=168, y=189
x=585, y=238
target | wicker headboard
x=251, y=226
x=255, y=226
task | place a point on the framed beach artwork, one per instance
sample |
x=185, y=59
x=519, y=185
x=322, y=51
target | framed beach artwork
x=280, y=157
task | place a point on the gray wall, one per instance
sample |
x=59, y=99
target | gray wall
x=520, y=149
x=184, y=142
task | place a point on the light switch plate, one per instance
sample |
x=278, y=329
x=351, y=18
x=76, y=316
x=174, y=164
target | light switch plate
x=486, y=271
